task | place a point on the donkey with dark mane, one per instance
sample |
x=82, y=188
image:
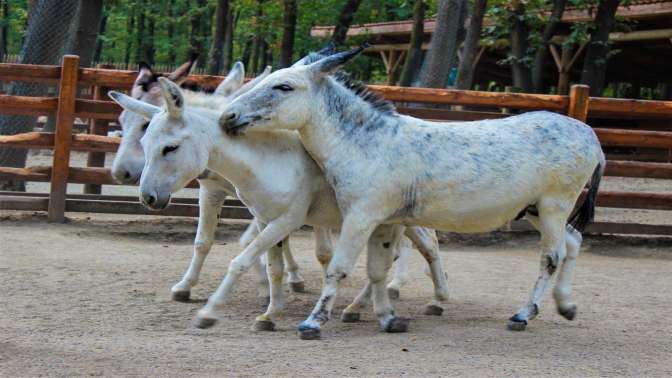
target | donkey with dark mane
x=388, y=169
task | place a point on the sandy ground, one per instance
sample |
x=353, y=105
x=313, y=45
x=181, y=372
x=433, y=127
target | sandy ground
x=91, y=297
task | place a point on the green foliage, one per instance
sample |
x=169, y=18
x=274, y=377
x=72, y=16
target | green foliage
x=16, y=22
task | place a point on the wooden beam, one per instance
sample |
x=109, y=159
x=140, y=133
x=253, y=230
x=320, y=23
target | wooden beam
x=638, y=169
x=45, y=141
x=33, y=73
x=578, y=102
x=26, y=105
x=97, y=127
x=65, y=117
x=475, y=98
x=634, y=138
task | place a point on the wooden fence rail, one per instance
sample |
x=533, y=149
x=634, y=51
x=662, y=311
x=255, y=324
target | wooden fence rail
x=482, y=105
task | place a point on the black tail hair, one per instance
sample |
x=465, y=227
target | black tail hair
x=585, y=214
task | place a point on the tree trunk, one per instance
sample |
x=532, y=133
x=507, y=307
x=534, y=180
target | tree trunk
x=247, y=51
x=217, y=46
x=344, y=20
x=227, y=59
x=88, y=24
x=288, y=31
x=4, y=29
x=195, y=38
x=99, y=41
x=595, y=61
x=45, y=37
x=465, y=73
x=443, y=46
x=130, y=28
x=413, y=61
x=542, y=52
x=140, y=33
x=258, y=38
x=148, y=40
x=522, y=78
x=172, y=53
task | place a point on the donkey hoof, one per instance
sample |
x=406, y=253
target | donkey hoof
x=180, y=296
x=434, y=310
x=263, y=325
x=568, y=312
x=393, y=293
x=204, y=322
x=307, y=332
x=516, y=325
x=350, y=317
x=264, y=300
x=397, y=325
x=297, y=287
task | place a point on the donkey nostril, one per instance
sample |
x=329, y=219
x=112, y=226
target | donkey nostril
x=151, y=200
x=127, y=175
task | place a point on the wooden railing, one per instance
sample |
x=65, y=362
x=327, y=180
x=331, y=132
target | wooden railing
x=482, y=105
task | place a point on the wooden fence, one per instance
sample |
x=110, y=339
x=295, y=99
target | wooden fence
x=66, y=106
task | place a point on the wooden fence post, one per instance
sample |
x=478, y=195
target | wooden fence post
x=579, y=96
x=97, y=127
x=65, y=117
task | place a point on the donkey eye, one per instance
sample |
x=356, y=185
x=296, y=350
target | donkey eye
x=283, y=87
x=169, y=149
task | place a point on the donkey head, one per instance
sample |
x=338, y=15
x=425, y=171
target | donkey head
x=286, y=99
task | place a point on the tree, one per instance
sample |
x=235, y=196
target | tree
x=88, y=25
x=597, y=52
x=465, y=72
x=344, y=20
x=520, y=34
x=443, y=46
x=258, y=40
x=542, y=50
x=99, y=40
x=197, y=20
x=413, y=61
x=217, y=46
x=288, y=31
x=46, y=36
x=4, y=26
x=227, y=59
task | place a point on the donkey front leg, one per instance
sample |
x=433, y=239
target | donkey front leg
x=379, y=261
x=276, y=272
x=274, y=232
x=209, y=205
x=323, y=246
x=551, y=225
x=426, y=242
x=296, y=283
x=354, y=235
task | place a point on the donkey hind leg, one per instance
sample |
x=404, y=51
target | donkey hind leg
x=352, y=313
x=379, y=261
x=427, y=244
x=209, y=204
x=323, y=247
x=276, y=270
x=354, y=235
x=294, y=277
x=267, y=238
x=563, y=286
x=551, y=223
x=259, y=266
x=402, y=252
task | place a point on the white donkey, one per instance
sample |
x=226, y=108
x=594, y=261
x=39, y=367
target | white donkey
x=213, y=189
x=469, y=177
x=273, y=175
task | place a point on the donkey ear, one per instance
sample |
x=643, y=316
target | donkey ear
x=180, y=74
x=145, y=72
x=173, y=95
x=250, y=84
x=144, y=109
x=328, y=65
x=233, y=80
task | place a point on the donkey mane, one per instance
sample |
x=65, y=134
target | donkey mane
x=361, y=90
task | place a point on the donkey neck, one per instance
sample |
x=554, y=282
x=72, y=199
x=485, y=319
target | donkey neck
x=344, y=118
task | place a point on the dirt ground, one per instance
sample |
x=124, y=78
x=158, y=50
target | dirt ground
x=91, y=297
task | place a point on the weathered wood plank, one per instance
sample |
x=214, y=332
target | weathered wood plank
x=26, y=105
x=33, y=73
x=65, y=117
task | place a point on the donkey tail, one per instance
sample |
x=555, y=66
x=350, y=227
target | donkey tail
x=584, y=215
